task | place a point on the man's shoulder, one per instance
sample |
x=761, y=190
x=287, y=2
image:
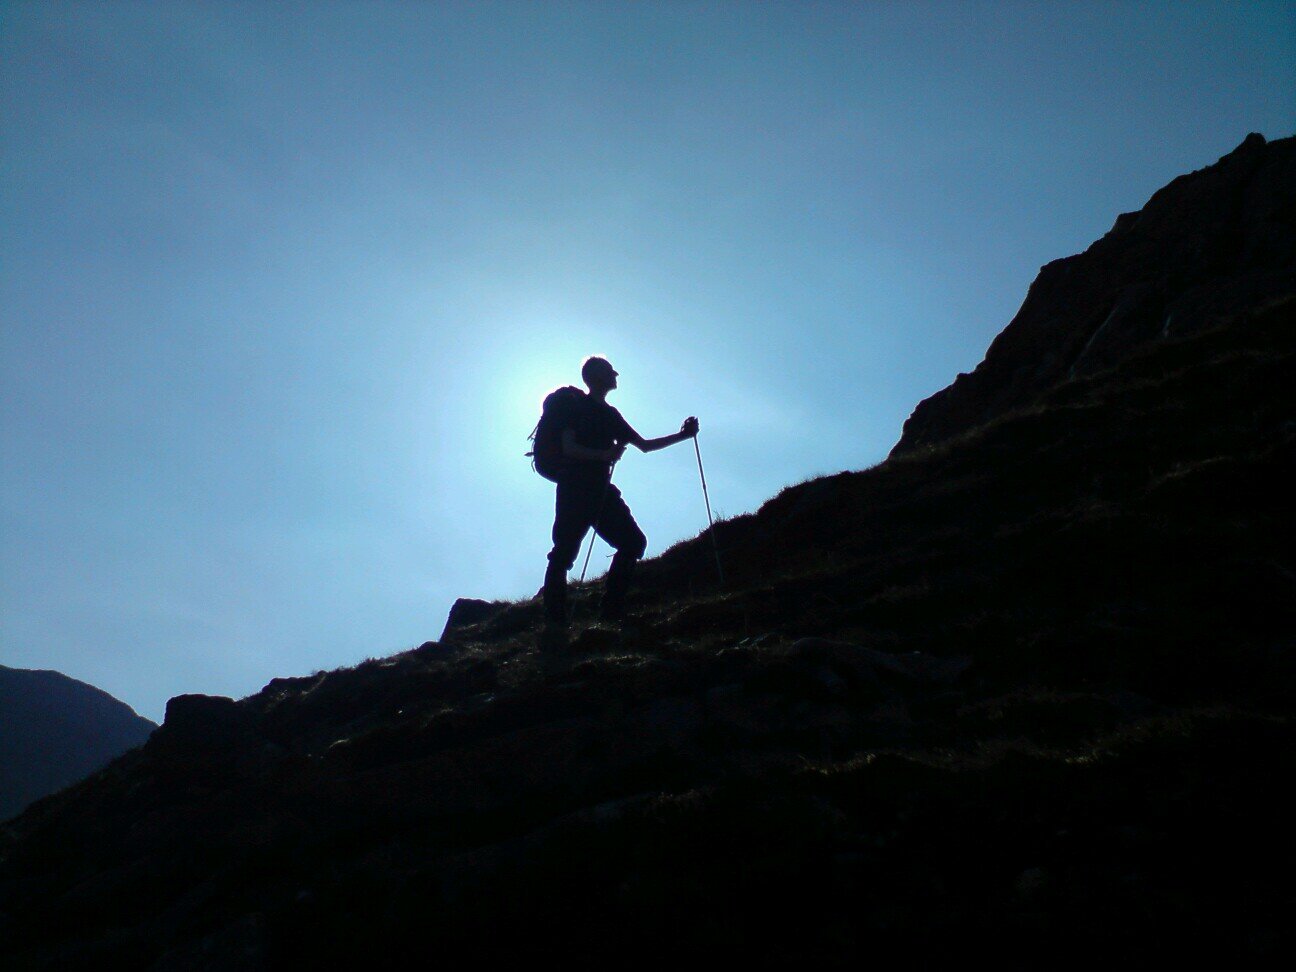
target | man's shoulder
x=618, y=418
x=625, y=431
x=602, y=408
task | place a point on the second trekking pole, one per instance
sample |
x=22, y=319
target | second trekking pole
x=710, y=522
x=597, y=516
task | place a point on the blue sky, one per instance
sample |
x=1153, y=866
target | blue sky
x=282, y=285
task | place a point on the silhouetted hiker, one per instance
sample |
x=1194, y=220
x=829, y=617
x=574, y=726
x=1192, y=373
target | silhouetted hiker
x=589, y=437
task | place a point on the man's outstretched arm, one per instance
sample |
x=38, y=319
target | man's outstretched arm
x=687, y=431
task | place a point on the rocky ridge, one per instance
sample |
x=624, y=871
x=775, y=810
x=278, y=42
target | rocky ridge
x=1209, y=246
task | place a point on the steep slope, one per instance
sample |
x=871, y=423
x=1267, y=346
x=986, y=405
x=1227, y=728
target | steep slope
x=1025, y=692
x=1210, y=245
x=54, y=731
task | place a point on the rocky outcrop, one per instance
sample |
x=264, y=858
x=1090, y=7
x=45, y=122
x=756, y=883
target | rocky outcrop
x=1209, y=246
x=54, y=731
x=466, y=611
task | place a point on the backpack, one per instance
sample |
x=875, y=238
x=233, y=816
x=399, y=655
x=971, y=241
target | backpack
x=558, y=412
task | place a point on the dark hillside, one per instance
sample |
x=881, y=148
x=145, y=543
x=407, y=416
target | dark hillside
x=1022, y=693
x=54, y=730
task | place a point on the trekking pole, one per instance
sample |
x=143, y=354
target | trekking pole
x=710, y=523
x=597, y=517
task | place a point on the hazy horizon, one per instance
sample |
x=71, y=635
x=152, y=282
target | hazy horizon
x=283, y=285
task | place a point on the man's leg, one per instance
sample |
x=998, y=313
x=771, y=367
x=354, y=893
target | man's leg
x=555, y=589
x=617, y=526
x=571, y=520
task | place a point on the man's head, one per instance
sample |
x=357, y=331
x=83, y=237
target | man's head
x=599, y=374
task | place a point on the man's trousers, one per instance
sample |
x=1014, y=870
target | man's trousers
x=580, y=505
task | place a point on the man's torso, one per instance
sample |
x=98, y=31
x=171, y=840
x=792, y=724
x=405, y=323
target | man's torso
x=597, y=425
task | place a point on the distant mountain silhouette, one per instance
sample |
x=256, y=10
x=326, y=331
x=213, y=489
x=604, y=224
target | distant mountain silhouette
x=1022, y=692
x=55, y=731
